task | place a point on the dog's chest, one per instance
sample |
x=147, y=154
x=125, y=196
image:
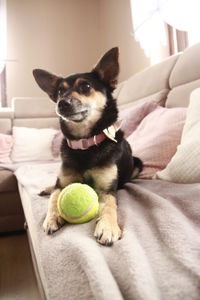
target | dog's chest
x=100, y=178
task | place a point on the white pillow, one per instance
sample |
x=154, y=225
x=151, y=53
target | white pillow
x=32, y=144
x=184, y=166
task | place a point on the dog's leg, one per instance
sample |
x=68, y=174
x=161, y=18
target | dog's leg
x=53, y=221
x=46, y=191
x=107, y=229
x=105, y=183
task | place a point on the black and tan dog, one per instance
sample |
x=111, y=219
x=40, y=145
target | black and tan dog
x=93, y=150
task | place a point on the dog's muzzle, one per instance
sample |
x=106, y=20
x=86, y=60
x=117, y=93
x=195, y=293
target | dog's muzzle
x=71, y=109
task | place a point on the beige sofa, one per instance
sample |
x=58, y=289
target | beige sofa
x=11, y=212
x=170, y=83
x=41, y=115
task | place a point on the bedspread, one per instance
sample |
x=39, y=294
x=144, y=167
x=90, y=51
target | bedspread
x=157, y=258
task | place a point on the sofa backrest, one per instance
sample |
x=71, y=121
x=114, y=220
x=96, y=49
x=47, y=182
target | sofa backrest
x=6, y=116
x=185, y=77
x=170, y=81
x=152, y=81
x=34, y=113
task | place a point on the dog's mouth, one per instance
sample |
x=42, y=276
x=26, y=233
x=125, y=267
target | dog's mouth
x=77, y=116
x=75, y=113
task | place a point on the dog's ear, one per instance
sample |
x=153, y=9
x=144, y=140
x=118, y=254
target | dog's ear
x=47, y=82
x=108, y=67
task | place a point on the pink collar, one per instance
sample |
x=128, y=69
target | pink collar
x=84, y=144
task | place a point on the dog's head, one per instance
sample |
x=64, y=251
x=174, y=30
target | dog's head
x=81, y=99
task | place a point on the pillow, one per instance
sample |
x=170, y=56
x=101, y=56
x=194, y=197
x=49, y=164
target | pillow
x=184, y=166
x=56, y=144
x=131, y=116
x=6, y=143
x=156, y=138
x=32, y=144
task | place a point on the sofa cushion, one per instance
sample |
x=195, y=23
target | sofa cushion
x=156, y=138
x=6, y=143
x=6, y=115
x=5, y=126
x=187, y=67
x=37, y=122
x=180, y=95
x=150, y=81
x=184, y=166
x=11, y=212
x=159, y=98
x=130, y=117
x=40, y=107
x=8, y=181
x=32, y=144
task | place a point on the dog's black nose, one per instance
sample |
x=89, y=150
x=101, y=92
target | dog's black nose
x=64, y=104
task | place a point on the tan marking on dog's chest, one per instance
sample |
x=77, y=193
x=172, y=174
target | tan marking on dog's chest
x=69, y=176
x=102, y=177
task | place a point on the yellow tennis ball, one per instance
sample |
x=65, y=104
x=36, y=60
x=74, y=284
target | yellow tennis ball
x=78, y=203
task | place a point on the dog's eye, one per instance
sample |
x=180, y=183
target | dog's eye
x=60, y=92
x=84, y=88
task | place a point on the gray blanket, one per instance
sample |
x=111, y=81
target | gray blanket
x=157, y=258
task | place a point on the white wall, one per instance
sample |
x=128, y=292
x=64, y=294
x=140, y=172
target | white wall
x=66, y=36
x=60, y=36
x=116, y=30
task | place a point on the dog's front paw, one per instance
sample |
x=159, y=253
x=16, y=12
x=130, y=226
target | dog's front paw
x=52, y=223
x=107, y=232
x=46, y=191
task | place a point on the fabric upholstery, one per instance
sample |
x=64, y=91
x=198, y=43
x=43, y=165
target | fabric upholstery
x=6, y=143
x=180, y=95
x=37, y=123
x=8, y=181
x=5, y=126
x=40, y=107
x=57, y=144
x=143, y=84
x=32, y=144
x=130, y=117
x=156, y=138
x=6, y=113
x=187, y=67
x=159, y=98
x=184, y=166
x=157, y=258
x=11, y=212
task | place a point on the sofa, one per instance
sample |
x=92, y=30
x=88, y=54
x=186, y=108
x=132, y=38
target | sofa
x=78, y=273
x=11, y=212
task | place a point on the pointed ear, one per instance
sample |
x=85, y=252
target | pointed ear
x=47, y=82
x=108, y=67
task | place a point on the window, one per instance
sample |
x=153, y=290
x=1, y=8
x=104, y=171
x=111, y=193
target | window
x=181, y=18
x=3, y=52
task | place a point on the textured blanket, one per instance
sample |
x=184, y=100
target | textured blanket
x=157, y=258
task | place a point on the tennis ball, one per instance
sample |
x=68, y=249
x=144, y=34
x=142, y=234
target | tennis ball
x=78, y=203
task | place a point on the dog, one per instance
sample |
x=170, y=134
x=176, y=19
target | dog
x=93, y=150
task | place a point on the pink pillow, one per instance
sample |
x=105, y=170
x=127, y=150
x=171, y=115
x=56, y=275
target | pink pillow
x=131, y=116
x=156, y=138
x=56, y=144
x=6, y=143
